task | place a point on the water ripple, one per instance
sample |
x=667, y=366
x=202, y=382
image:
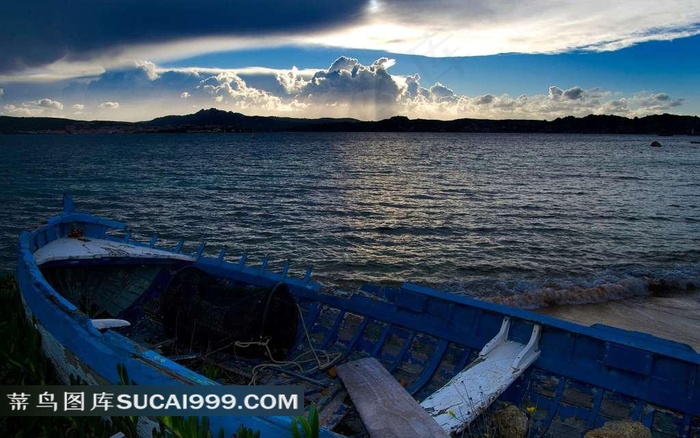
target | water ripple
x=436, y=209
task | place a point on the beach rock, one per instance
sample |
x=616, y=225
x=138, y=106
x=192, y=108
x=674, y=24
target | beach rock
x=655, y=144
x=620, y=429
x=510, y=422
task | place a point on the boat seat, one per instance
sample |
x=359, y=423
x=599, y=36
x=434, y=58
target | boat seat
x=471, y=392
x=387, y=410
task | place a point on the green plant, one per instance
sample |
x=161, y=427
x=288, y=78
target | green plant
x=184, y=427
x=212, y=371
x=309, y=425
x=244, y=432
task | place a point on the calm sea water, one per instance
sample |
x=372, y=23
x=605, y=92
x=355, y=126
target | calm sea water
x=578, y=218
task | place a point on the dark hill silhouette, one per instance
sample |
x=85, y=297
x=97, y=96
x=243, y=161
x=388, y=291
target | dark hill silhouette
x=214, y=120
x=230, y=121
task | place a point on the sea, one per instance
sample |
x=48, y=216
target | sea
x=529, y=220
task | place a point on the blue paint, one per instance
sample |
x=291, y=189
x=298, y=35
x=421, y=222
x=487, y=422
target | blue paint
x=222, y=254
x=637, y=367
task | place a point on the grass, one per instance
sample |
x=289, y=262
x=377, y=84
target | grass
x=23, y=363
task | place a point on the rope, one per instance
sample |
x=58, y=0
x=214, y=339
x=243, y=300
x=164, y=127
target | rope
x=297, y=361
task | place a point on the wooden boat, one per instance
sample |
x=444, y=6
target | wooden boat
x=100, y=299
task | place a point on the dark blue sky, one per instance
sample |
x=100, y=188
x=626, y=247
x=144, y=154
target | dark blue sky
x=442, y=58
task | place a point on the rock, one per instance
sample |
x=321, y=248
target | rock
x=510, y=422
x=620, y=429
x=655, y=144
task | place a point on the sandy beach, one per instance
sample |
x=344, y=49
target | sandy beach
x=675, y=317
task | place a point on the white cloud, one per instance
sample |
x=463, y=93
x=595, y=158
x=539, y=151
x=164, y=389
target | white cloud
x=292, y=81
x=555, y=103
x=347, y=88
x=109, y=105
x=342, y=63
x=228, y=87
x=2, y=92
x=441, y=93
x=23, y=110
x=555, y=92
x=148, y=68
x=367, y=92
x=446, y=28
x=51, y=104
x=441, y=28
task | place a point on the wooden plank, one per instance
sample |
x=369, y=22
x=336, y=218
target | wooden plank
x=386, y=409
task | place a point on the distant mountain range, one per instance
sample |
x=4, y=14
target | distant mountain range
x=214, y=120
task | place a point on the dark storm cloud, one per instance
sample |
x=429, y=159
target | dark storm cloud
x=40, y=32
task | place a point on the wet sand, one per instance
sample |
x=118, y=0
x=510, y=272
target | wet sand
x=675, y=317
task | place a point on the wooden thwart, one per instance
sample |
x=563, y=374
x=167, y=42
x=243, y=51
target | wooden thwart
x=385, y=407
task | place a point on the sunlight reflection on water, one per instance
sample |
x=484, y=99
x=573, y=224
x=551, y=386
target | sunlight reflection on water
x=444, y=210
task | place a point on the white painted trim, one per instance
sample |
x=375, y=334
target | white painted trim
x=91, y=249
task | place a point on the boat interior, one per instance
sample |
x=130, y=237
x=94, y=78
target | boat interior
x=238, y=326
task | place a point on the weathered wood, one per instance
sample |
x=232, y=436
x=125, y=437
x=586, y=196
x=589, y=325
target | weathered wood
x=87, y=249
x=468, y=394
x=386, y=409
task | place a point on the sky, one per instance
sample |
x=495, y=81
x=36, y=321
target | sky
x=446, y=59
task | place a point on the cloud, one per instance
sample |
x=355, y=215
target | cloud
x=347, y=88
x=26, y=109
x=441, y=93
x=228, y=87
x=412, y=86
x=86, y=36
x=291, y=81
x=52, y=104
x=342, y=63
x=370, y=90
x=556, y=102
x=447, y=28
x=2, y=92
x=555, y=92
x=573, y=93
x=486, y=99
x=43, y=31
x=41, y=107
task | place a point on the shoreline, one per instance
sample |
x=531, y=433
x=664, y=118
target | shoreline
x=673, y=316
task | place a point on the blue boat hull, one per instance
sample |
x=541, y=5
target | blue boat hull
x=583, y=377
